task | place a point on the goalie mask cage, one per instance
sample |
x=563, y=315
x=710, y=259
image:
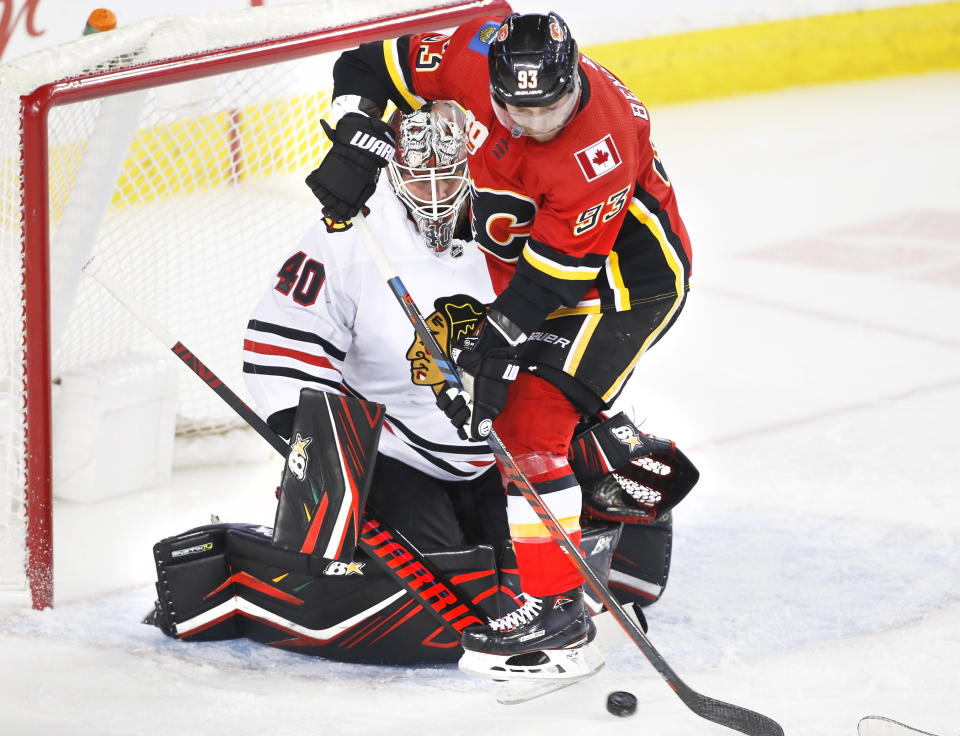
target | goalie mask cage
x=174, y=151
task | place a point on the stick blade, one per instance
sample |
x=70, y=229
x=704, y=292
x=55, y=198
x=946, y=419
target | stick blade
x=880, y=726
x=732, y=716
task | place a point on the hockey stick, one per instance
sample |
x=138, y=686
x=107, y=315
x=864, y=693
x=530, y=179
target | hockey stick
x=732, y=716
x=398, y=557
x=881, y=726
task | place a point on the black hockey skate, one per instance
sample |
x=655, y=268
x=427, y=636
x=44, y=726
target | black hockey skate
x=547, y=639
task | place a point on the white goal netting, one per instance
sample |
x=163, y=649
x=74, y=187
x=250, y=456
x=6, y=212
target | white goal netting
x=186, y=194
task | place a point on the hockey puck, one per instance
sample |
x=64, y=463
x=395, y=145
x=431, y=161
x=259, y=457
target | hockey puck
x=621, y=703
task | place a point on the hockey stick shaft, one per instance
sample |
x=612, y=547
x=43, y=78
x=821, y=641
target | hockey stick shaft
x=732, y=716
x=93, y=269
x=396, y=555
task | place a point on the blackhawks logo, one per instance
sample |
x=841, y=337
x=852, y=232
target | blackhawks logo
x=337, y=226
x=452, y=319
x=340, y=226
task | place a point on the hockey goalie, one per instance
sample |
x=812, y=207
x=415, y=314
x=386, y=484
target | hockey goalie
x=336, y=369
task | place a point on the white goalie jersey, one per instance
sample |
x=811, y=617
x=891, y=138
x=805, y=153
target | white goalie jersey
x=329, y=321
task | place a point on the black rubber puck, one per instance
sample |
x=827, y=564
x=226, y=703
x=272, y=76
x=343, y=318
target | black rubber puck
x=621, y=703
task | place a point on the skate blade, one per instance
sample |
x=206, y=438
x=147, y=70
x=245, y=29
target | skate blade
x=557, y=664
x=514, y=692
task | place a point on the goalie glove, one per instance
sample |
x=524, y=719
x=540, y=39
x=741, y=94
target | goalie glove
x=347, y=176
x=626, y=475
x=488, y=364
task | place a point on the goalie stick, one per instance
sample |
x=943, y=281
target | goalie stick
x=880, y=726
x=732, y=716
x=389, y=548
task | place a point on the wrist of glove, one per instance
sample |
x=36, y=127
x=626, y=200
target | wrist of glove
x=488, y=366
x=347, y=176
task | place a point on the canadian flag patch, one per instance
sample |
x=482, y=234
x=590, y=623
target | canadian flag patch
x=598, y=158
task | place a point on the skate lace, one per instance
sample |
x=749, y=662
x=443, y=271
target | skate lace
x=523, y=615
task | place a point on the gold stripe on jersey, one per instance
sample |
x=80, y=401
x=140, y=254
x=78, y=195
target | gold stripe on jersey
x=572, y=363
x=575, y=311
x=558, y=270
x=621, y=294
x=538, y=530
x=595, y=307
x=392, y=59
x=676, y=266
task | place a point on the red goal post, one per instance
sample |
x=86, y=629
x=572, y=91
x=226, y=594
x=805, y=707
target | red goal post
x=112, y=172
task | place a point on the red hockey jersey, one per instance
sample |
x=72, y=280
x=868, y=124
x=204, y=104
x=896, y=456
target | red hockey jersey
x=590, y=214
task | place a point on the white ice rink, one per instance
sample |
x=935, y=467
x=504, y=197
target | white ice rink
x=814, y=379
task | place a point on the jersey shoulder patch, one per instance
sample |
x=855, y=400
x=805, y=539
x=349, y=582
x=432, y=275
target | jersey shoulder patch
x=599, y=158
x=484, y=35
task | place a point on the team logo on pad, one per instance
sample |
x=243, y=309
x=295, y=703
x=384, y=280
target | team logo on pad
x=297, y=459
x=627, y=436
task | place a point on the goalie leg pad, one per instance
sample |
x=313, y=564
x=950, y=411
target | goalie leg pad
x=326, y=479
x=191, y=568
x=638, y=573
x=228, y=580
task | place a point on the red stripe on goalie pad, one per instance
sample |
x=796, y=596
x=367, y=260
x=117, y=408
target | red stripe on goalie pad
x=310, y=543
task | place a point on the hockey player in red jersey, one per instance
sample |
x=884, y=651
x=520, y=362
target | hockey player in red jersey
x=589, y=257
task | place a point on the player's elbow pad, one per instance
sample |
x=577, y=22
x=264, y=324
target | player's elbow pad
x=363, y=71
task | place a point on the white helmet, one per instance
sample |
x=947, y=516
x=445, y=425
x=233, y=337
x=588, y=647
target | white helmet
x=429, y=172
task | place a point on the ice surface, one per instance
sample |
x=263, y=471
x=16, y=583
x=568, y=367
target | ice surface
x=815, y=381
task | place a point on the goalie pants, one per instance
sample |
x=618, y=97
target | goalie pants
x=435, y=514
x=576, y=364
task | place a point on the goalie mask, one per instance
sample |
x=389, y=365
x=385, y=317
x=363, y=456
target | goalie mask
x=429, y=172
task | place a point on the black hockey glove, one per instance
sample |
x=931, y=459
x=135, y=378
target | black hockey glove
x=488, y=364
x=348, y=174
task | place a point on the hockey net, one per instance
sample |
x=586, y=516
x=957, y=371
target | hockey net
x=173, y=151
